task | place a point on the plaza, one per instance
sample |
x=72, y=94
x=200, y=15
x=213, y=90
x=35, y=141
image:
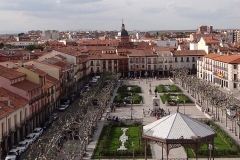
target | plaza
x=137, y=113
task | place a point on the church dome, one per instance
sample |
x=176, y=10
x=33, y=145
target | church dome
x=124, y=32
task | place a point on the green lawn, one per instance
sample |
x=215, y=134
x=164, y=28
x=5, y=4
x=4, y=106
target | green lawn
x=111, y=135
x=134, y=89
x=173, y=88
x=137, y=99
x=132, y=133
x=173, y=98
x=218, y=142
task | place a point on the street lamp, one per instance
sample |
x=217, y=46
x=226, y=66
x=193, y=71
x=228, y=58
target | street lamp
x=155, y=91
x=133, y=150
x=131, y=106
x=146, y=76
x=184, y=105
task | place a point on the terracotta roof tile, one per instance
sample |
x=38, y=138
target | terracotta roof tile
x=10, y=73
x=49, y=84
x=232, y=58
x=36, y=70
x=26, y=85
x=52, y=79
x=212, y=55
x=189, y=53
x=16, y=102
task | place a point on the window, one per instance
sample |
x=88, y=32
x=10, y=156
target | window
x=187, y=59
x=193, y=59
x=175, y=59
x=234, y=66
x=136, y=66
x=136, y=60
x=155, y=67
x=234, y=85
x=131, y=67
x=149, y=67
x=181, y=59
x=131, y=61
x=143, y=60
x=143, y=66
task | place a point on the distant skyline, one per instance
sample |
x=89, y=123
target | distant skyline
x=24, y=15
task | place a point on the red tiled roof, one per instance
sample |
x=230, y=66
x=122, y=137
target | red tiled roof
x=36, y=70
x=16, y=102
x=10, y=73
x=231, y=58
x=52, y=79
x=26, y=85
x=189, y=53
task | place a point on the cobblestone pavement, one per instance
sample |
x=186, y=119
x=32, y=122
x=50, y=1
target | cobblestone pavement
x=124, y=112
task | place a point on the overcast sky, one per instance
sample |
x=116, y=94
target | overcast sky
x=24, y=15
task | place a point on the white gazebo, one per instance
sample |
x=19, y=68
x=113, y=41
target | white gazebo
x=176, y=129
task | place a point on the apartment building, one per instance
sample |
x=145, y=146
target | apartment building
x=208, y=44
x=37, y=76
x=187, y=59
x=221, y=70
x=14, y=112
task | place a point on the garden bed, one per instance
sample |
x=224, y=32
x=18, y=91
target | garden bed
x=109, y=142
x=168, y=88
x=224, y=146
x=125, y=88
x=173, y=98
x=126, y=97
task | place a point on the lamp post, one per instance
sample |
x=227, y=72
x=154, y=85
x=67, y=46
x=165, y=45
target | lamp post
x=146, y=76
x=184, y=105
x=133, y=150
x=131, y=108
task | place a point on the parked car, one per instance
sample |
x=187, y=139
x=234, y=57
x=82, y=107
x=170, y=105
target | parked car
x=31, y=138
x=23, y=146
x=38, y=131
x=54, y=116
x=46, y=125
x=13, y=154
x=63, y=107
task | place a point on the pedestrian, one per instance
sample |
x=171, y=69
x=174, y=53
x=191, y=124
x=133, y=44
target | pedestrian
x=143, y=113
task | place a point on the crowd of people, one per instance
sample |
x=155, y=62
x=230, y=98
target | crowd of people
x=158, y=113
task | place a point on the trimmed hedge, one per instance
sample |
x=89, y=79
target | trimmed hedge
x=182, y=97
x=137, y=99
x=134, y=89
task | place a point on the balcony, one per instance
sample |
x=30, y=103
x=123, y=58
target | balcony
x=236, y=80
x=12, y=129
x=4, y=134
x=35, y=99
x=98, y=64
x=149, y=62
x=160, y=68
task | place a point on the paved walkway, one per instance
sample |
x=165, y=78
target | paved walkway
x=124, y=112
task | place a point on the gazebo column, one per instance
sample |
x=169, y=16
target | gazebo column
x=167, y=151
x=196, y=151
x=145, y=149
x=213, y=148
x=162, y=151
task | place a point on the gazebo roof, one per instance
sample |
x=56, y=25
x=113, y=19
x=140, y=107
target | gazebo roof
x=177, y=126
